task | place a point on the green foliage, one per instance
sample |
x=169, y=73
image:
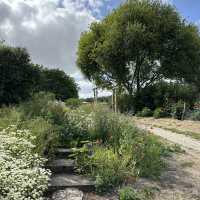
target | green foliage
x=120, y=144
x=146, y=112
x=69, y=126
x=37, y=105
x=108, y=168
x=9, y=116
x=19, y=77
x=195, y=115
x=148, y=152
x=59, y=83
x=160, y=113
x=132, y=39
x=126, y=104
x=73, y=103
x=177, y=110
x=46, y=136
x=159, y=95
x=128, y=193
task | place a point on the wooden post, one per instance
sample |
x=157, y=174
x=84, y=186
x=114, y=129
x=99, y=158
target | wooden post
x=112, y=103
x=95, y=95
x=115, y=100
x=184, y=109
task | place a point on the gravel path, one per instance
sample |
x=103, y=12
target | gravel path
x=181, y=180
x=185, y=141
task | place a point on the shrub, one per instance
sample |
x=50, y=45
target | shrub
x=177, y=110
x=101, y=126
x=124, y=149
x=160, y=113
x=126, y=104
x=128, y=193
x=73, y=103
x=37, y=106
x=158, y=95
x=77, y=124
x=45, y=133
x=146, y=112
x=195, y=115
x=22, y=175
x=148, y=152
x=108, y=168
x=9, y=116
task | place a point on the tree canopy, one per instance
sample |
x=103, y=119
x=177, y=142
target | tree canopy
x=20, y=78
x=139, y=43
x=58, y=82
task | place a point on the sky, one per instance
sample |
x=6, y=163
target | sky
x=50, y=29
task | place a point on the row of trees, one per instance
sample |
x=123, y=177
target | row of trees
x=139, y=44
x=20, y=78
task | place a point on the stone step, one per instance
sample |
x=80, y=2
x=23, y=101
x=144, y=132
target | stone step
x=63, y=153
x=64, y=181
x=61, y=166
x=68, y=194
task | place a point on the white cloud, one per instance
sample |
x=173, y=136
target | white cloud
x=50, y=30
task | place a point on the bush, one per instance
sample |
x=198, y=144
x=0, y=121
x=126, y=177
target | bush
x=158, y=95
x=73, y=103
x=195, y=115
x=9, y=116
x=107, y=167
x=37, y=106
x=45, y=133
x=160, y=113
x=22, y=175
x=148, y=152
x=128, y=193
x=126, y=104
x=146, y=112
x=123, y=149
x=177, y=110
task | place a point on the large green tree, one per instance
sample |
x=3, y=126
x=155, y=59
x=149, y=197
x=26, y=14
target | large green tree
x=58, y=82
x=139, y=43
x=18, y=76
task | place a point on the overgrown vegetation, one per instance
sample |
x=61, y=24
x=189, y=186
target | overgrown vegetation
x=22, y=175
x=118, y=151
x=128, y=193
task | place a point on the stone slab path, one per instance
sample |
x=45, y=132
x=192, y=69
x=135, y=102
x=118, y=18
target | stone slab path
x=65, y=184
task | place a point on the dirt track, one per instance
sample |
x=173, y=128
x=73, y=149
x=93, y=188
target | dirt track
x=185, y=141
x=181, y=180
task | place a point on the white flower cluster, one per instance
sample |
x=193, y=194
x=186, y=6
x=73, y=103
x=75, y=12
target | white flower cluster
x=22, y=176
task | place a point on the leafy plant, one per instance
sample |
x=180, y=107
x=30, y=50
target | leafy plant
x=177, y=110
x=146, y=112
x=160, y=113
x=9, y=116
x=128, y=193
x=106, y=167
x=73, y=103
x=45, y=133
x=195, y=115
